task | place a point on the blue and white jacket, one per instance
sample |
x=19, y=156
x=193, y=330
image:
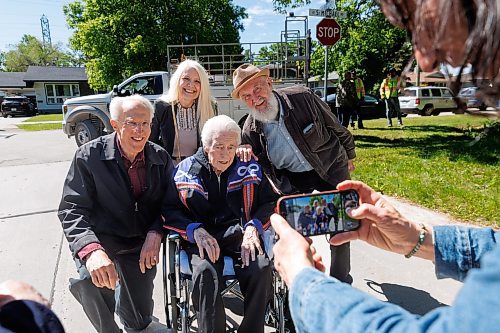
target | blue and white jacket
x=241, y=195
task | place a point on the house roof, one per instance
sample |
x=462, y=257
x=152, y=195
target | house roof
x=55, y=74
x=12, y=80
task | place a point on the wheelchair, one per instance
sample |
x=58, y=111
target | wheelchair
x=177, y=285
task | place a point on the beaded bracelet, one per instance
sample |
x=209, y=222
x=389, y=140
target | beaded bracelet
x=421, y=238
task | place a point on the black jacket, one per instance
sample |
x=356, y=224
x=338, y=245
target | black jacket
x=162, y=127
x=98, y=205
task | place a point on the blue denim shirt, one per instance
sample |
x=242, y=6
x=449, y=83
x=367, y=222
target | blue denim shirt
x=319, y=303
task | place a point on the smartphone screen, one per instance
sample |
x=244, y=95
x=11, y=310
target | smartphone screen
x=320, y=213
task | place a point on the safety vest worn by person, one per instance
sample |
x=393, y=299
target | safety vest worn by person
x=389, y=87
x=360, y=88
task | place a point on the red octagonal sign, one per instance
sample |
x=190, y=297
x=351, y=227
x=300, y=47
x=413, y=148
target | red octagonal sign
x=328, y=31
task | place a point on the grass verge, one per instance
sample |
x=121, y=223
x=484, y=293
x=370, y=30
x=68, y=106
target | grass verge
x=45, y=117
x=40, y=126
x=449, y=163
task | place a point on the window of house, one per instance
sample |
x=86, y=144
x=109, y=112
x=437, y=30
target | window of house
x=58, y=93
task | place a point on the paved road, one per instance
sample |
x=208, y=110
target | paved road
x=32, y=169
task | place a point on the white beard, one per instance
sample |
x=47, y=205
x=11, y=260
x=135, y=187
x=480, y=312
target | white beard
x=271, y=111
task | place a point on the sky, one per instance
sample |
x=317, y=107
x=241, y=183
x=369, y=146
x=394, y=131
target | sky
x=19, y=17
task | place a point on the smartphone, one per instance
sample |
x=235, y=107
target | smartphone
x=319, y=213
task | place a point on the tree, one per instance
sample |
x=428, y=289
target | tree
x=31, y=51
x=369, y=43
x=122, y=37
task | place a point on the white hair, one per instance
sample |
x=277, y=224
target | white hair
x=219, y=124
x=116, y=105
x=205, y=100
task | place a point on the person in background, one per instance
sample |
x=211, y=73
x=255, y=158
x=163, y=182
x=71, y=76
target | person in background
x=451, y=32
x=24, y=310
x=360, y=93
x=347, y=100
x=110, y=212
x=389, y=92
x=298, y=141
x=180, y=115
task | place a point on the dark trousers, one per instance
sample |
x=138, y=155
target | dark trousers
x=255, y=284
x=345, y=113
x=356, y=116
x=132, y=299
x=392, y=107
x=306, y=182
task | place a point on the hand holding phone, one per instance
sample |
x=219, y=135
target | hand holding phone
x=320, y=213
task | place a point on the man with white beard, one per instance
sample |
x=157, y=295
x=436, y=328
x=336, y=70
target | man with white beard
x=299, y=143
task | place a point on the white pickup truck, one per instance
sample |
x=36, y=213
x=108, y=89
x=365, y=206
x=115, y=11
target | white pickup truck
x=87, y=117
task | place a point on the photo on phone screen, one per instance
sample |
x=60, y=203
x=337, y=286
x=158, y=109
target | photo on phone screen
x=320, y=213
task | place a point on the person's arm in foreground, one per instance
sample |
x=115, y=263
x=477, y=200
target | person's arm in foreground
x=319, y=303
x=454, y=249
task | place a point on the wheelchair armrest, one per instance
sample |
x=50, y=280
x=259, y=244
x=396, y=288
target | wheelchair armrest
x=172, y=236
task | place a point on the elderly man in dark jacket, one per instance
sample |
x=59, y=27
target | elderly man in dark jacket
x=298, y=141
x=110, y=214
x=226, y=208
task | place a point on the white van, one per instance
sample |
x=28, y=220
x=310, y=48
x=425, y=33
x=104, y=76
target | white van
x=427, y=101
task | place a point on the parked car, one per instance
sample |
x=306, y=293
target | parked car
x=17, y=105
x=427, y=101
x=371, y=107
x=470, y=96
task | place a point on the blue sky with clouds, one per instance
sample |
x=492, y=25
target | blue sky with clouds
x=18, y=17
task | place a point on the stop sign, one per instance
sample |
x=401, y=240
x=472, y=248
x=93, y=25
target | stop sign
x=328, y=31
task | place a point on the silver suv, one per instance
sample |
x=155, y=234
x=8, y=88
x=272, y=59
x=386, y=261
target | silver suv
x=427, y=101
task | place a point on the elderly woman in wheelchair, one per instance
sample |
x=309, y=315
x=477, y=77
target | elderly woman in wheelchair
x=223, y=209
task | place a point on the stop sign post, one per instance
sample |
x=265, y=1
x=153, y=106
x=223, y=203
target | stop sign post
x=328, y=32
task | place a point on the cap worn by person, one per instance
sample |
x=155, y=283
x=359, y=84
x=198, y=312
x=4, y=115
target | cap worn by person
x=243, y=74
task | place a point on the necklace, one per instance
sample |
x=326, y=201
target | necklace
x=186, y=117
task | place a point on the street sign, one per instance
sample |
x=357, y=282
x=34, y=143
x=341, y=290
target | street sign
x=327, y=13
x=328, y=31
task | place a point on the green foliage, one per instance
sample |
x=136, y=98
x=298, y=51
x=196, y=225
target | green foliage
x=369, y=43
x=122, y=37
x=31, y=51
x=449, y=163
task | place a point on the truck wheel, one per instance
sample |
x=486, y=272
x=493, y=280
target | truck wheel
x=85, y=132
x=427, y=111
x=436, y=112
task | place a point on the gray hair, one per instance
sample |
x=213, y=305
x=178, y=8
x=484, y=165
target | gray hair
x=116, y=105
x=219, y=124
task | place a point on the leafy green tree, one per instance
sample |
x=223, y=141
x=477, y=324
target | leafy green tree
x=31, y=51
x=369, y=43
x=121, y=37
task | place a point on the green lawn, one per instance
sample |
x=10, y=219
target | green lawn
x=450, y=164
x=45, y=117
x=40, y=127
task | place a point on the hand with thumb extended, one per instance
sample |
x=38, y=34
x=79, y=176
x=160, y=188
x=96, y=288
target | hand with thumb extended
x=381, y=224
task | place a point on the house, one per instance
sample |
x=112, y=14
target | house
x=50, y=86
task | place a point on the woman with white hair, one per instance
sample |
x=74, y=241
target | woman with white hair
x=180, y=115
x=225, y=208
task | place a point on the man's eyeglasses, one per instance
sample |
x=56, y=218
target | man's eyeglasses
x=135, y=125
